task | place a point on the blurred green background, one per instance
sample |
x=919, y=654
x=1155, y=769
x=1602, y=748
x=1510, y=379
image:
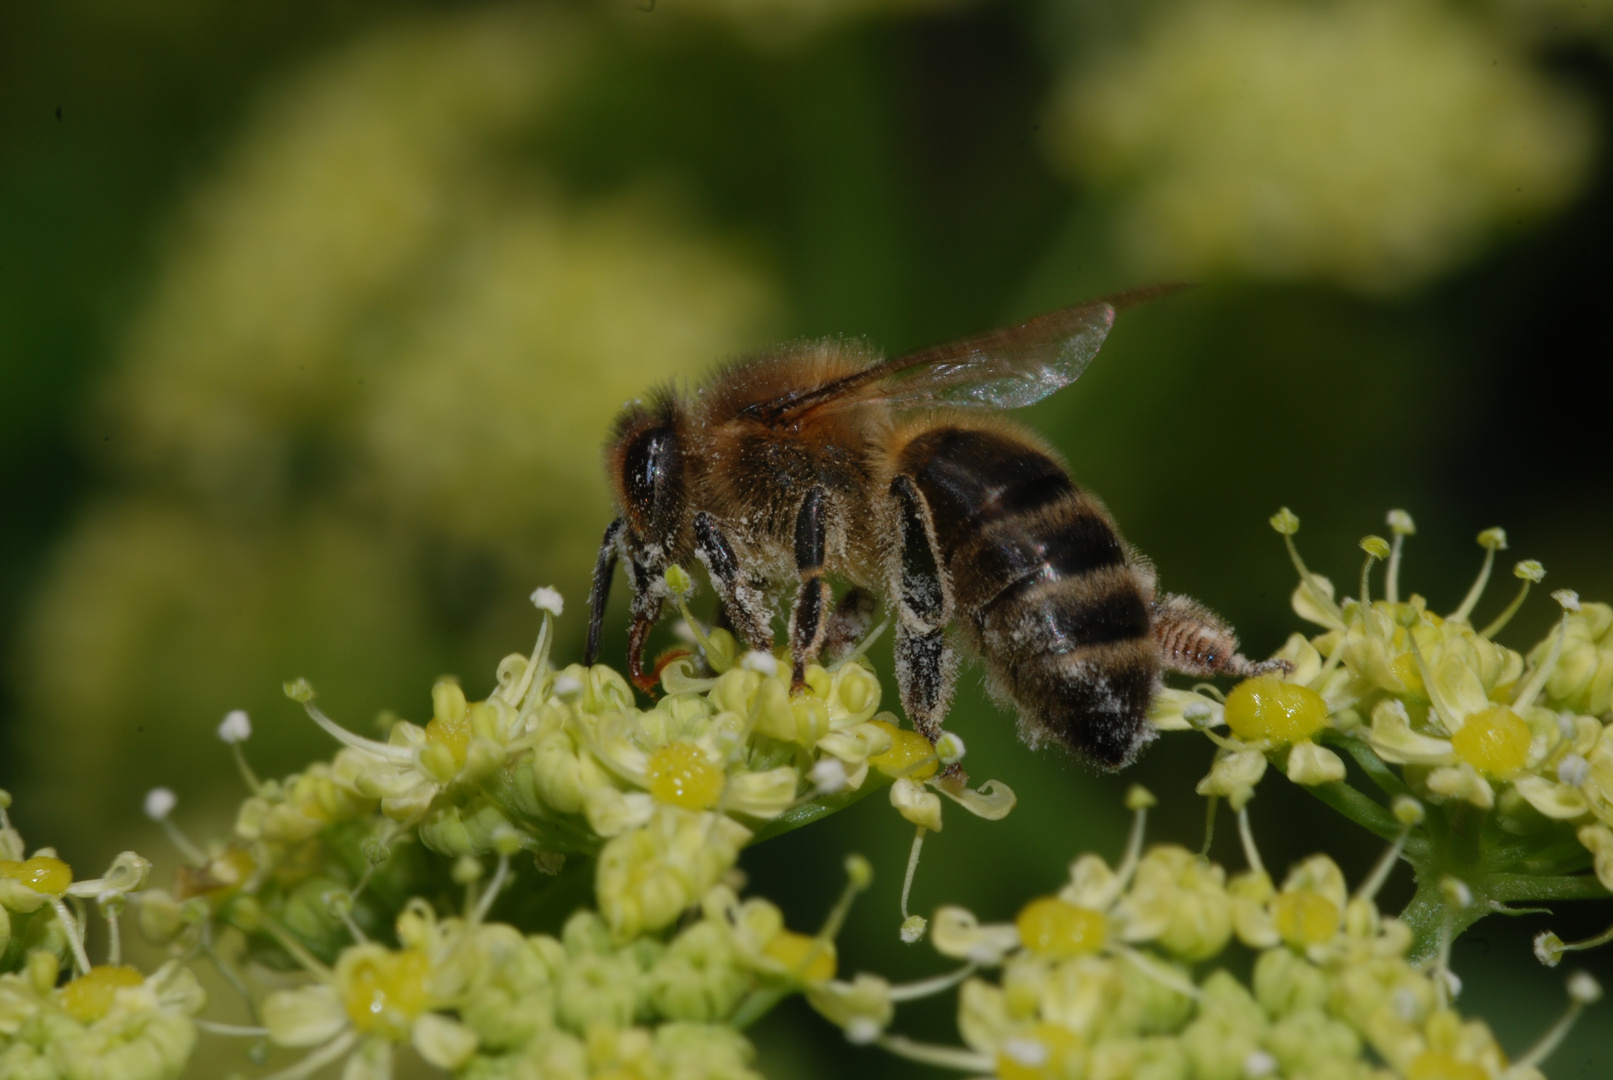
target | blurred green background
x=312, y=316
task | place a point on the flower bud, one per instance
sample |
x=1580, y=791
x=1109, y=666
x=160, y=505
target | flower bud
x=922, y=808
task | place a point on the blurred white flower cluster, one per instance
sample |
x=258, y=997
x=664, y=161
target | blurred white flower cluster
x=1370, y=143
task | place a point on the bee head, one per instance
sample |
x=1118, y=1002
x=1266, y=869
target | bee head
x=646, y=465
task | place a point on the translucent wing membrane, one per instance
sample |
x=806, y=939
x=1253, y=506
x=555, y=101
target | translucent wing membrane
x=1004, y=369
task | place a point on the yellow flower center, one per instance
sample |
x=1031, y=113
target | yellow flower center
x=1495, y=741
x=1439, y=1065
x=806, y=958
x=1265, y=707
x=1050, y=927
x=42, y=873
x=89, y=997
x=910, y=755
x=1305, y=918
x=450, y=725
x=384, y=993
x=1405, y=668
x=681, y=775
x=1043, y=1053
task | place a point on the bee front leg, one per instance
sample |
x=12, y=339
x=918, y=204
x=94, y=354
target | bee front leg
x=1194, y=640
x=925, y=666
x=604, y=570
x=809, y=618
x=744, y=605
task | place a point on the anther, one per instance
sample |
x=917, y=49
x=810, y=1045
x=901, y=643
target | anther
x=1286, y=523
x=1569, y=600
x=1401, y=525
x=1377, y=549
x=1491, y=540
x=1583, y=990
x=1529, y=572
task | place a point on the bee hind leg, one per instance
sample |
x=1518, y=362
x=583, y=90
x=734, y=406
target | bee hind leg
x=925, y=664
x=1194, y=640
x=741, y=602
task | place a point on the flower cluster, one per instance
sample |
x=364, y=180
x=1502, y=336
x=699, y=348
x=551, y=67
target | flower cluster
x=563, y=763
x=566, y=786
x=1518, y=747
x=1115, y=976
x=1222, y=133
x=480, y=999
x=106, y=1020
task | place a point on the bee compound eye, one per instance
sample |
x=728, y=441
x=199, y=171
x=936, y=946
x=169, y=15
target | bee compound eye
x=646, y=468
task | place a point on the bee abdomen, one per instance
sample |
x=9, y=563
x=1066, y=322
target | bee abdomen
x=1041, y=583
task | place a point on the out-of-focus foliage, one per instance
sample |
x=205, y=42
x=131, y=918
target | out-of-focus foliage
x=346, y=412
x=779, y=24
x=1370, y=142
x=382, y=341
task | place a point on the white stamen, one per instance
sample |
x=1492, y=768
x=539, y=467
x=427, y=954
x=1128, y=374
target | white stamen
x=949, y=749
x=1583, y=988
x=828, y=776
x=567, y=684
x=1029, y=1053
x=548, y=599
x=236, y=727
x=861, y=1031
x=401, y=755
x=1453, y=982
x=1572, y=770
x=760, y=662
x=160, y=802
x=1259, y=1064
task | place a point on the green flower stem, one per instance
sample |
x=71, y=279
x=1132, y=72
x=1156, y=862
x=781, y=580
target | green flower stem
x=808, y=812
x=1566, y=856
x=1374, y=766
x=1512, y=887
x=757, y=1004
x=1371, y=816
x=1427, y=912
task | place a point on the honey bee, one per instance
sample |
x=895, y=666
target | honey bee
x=820, y=459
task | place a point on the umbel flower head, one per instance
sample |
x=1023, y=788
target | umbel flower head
x=481, y=999
x=1120, y=974
x=563, y=764
x=1466, y=719
x=107, y=1020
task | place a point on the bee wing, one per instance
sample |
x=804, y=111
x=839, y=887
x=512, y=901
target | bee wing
x=1001, y=369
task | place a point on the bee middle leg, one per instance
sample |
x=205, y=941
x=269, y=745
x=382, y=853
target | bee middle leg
x=809, y=617
x=744, y=604
x=925, y=665
x=1194, y=640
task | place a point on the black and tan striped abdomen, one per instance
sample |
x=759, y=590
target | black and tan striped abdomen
x=1041, y=583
